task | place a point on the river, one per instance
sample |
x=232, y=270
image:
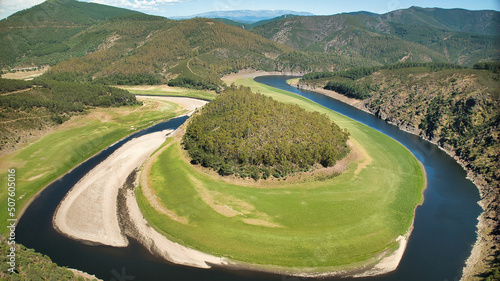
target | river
x=444, y=231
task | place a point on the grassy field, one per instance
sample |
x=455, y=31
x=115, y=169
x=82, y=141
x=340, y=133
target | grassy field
x=327, y=225
x=44, y=160
x=163, y=90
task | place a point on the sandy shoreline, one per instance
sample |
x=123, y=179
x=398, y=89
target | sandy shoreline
x=88, y=211
x=135, y=225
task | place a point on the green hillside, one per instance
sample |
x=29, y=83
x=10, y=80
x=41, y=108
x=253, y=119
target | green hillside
x=459, y=20
x=50, y=32
x=411, y=35
x=199, y=52
x=28, y=107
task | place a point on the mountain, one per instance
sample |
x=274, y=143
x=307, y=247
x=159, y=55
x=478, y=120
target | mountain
x=246, y=16
x=124, y=47
x=102, y=44
x=191, y=53
x=459, y=20
x=370, y=14
x=197, y=50
x=248, y=26
x=45, y=33
x=414, y=34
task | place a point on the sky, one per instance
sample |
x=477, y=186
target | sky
x=171, y=8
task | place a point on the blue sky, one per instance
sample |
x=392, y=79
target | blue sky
x=171, y=8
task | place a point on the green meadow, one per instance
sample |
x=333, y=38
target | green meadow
x=39, y=163
x=312, y=226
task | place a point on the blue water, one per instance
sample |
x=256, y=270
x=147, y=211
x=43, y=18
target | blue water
x=438, y=247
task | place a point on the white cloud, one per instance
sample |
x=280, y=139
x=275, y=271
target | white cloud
x=8, y=7
x=145, y=5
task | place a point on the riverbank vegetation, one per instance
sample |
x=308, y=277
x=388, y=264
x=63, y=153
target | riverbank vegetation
x=347, y=82
x=31, y=265
x=253, y=135
x=309, y=226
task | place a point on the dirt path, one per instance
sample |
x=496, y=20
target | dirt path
x=187, y=64
x=190, y=104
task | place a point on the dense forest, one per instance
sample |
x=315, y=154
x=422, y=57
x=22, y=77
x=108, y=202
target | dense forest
x=43, y=103
x=252, y=135
x=60, y=97
x=51, y=32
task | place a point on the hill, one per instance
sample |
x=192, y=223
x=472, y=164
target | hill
x=414, y=34
x=249, y=134
x=31, y=265
x=48, y=33
x=246, y=16
x=199, y=52
x=124, y=47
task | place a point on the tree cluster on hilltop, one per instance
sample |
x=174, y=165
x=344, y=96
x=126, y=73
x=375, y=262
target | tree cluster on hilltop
x=252, y=135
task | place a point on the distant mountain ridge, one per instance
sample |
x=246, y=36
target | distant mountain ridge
x=415, y=34
x=246, y=16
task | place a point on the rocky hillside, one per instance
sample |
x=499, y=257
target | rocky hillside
x=410, y=35
x=458, y=109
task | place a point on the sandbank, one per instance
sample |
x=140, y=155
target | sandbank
x=89, y=210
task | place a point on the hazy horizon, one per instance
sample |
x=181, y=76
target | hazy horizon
x=182, y=8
